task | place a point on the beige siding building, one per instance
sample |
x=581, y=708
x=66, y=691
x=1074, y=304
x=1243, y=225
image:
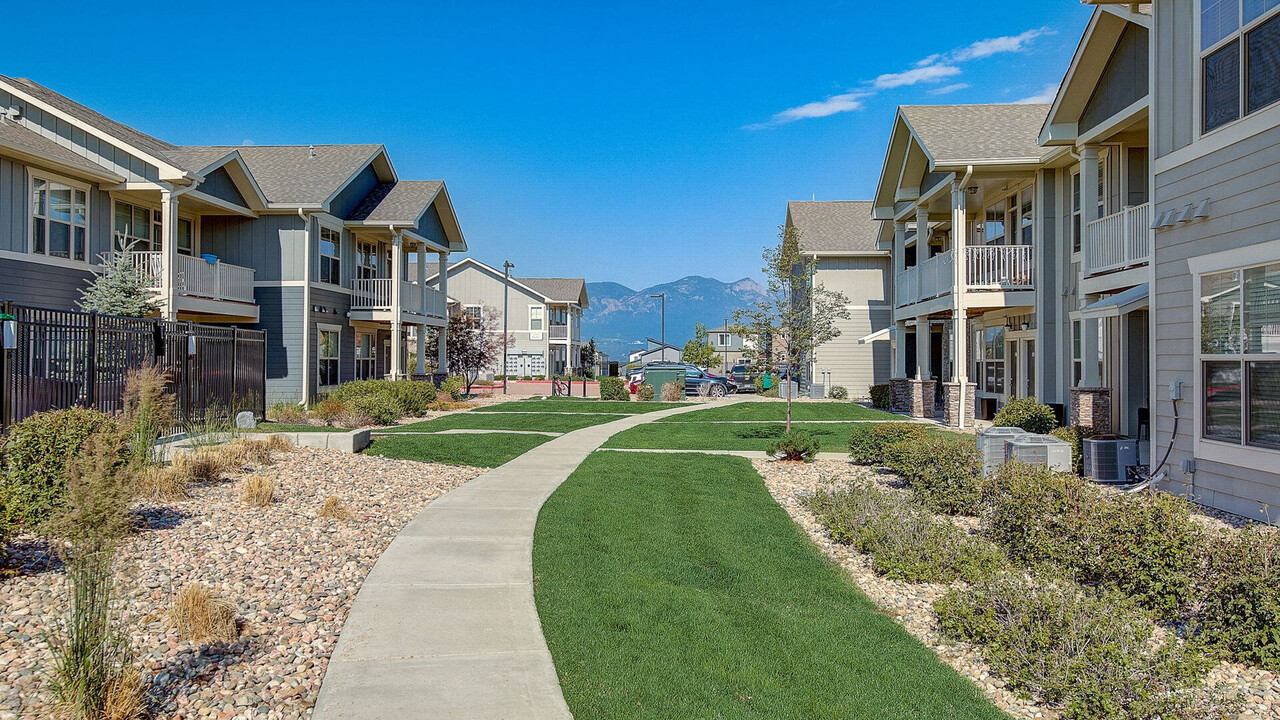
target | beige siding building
x=842, y=236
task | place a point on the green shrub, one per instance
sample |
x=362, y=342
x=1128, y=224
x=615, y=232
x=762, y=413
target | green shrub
x=329, y=409
x=381, y=408
x=1075, y=436
x=772, y=392
x=1092, y=652
x=1240, y=597
x=906, y=541
x=838, y=392
x=796, y=445
x=33, y=463
x=286, y=413
x=645, y=392
x=944, y=471
x=868, y=440
x=1144, y=545
x=455, y=386
x=1027, y=414
x=411, y=398
x=881, y=397
x=613, y=388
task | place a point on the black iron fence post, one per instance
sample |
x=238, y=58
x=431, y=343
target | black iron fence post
x=91, y=368
x=6, y=366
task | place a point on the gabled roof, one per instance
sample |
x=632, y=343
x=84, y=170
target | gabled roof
x=398, y=203
x=33, y=146
x=566, y=290
x=840, y=226
x=294, y=175
x=960, y=134
x=129, y=137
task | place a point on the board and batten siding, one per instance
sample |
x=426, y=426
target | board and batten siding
x=279, y=310
x=271, y=244
x=1243, y=183
x=864, y=280
x=1176, y=53
x=219, y=184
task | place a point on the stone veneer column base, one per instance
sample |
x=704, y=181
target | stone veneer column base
x=951, y=411
x=922, y=394
x=1091, y=407
x=900, y=395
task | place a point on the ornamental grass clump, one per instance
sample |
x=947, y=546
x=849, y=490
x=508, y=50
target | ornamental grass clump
x=202, y=616
x=205, y=464
x=158, y=482
x=149, y=411
x=286, y=413
x=906, y=542
x=1093, y=652
x=868, y=440
x=258, y=491
x=794, y=446
x=335, y=509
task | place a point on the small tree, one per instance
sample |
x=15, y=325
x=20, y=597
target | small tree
x=472, y=346
x=588, y=356
x=798, y=314
x=120, y=289
x=699, y=351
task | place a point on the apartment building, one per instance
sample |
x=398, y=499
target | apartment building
x=544, y=318
x=312, y=243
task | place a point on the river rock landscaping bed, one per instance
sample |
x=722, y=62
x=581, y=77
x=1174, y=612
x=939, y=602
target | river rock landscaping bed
x=911, y=604
x=292, y=575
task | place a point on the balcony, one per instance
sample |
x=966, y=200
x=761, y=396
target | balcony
x=196, y=277
x=988, y=268
x=374, y=295
x=559, y=332
x=1118, y=241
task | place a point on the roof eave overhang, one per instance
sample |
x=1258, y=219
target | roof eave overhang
x=236, y=167
x=381, y=163
x=1087, y=65
x=27, y=154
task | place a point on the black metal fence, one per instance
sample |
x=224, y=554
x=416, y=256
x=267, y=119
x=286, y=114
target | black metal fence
x=55, y=359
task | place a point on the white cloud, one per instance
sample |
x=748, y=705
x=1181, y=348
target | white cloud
x=994, y=46
x=1046, y=95
x=844, y=102
x=946, y=89
x=915, y=76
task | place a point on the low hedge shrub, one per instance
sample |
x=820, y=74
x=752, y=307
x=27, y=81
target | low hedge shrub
x=672, y=392
x=613, y=388
x=1026, y=413
x=1093, y=652
x=795, y=445
x=1239, y=603
x=409, y=398
x=905, y=540
x=868, y=440
x=34, y=460
x=944, y=471
x=881, y=397
x=380, y=408
x=1145, y=545
x=645, y=392
x=455, y=386
x=286, y=413
x=838, y=392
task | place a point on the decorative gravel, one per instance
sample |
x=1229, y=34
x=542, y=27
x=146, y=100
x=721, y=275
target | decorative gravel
x=292, y=574
x=911, y=604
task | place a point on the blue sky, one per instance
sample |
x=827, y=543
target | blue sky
x=634, y=142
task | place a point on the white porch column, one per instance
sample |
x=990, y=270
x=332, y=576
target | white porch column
x=922, y=348
x=1089, y=167
x=421, y=368
x=442, y=358
x=900, y=349
x=899, y=247
x=922, y=234
x=397, y=307
x=168, y=255
x=959, y=316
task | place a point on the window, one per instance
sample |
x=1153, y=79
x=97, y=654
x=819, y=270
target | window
x=993, y=360
x=535, y=317
x=1028, y=224
x=1240, y=355
x=133, y=225
x=1077, y=352
x=366, y=260
x=184, y=236
x=474, y=311
x=994, y=232
x=1239, y=59
x=59, y=219
x=366, y=362
x=1076, y=225
x=330, y=261
x=327, y=358
x=722, y=339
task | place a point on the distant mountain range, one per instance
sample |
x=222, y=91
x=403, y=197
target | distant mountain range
x=620, y=318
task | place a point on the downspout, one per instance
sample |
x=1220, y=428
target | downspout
x=306, y=308
x=961, y=312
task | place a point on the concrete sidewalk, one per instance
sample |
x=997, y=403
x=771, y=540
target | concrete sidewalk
x=445, y=624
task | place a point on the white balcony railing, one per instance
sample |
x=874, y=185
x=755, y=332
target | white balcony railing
x=559, y=332
x=437, y=305
x=371, y=294
x=999, y=267
x=936, y=275
x=1118, y=241
x=196, y=277
x=375, y=294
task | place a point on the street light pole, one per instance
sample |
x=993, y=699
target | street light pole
x=727, y=339
x=663, y=336
x=506, y=301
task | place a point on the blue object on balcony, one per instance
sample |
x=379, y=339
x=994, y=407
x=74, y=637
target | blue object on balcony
x=211, y=259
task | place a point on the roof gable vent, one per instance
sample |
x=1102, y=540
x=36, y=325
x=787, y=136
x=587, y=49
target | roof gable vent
x=311, y=151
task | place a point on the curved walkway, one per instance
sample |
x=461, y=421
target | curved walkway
x=445, y=624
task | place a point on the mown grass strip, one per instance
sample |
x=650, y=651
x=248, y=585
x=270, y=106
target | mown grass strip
x=474, y=450
x=801, y=410
x=543, y=422
x=832, y=437
x=588, y=405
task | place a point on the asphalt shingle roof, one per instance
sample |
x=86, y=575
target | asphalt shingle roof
x=197, y=158
x=954, y=133
x=288, y=174
x=14, y=134
x=834, y=226
x=399, y=202
x=557, y=289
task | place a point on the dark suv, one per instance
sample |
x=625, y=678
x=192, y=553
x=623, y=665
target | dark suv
x=743, y=377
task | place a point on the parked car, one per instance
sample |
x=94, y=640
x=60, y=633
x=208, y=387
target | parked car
x=743, y=377
x=694, y=378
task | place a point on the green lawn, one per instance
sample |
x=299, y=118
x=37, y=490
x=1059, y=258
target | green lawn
x=832, y=437
x=273, y=427
x=474, y=450
x=677, y=588
x=545, y=422
x=778, y=411
x=565, y=405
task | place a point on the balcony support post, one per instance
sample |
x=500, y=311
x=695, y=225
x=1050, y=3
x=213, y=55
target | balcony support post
x=169, y=255
x=442, y=357
x=899, y=247
x=959, y=371
x=923, y=371
x=421, y=368
x=922, y=234
x=900, y=350
x=397, y=309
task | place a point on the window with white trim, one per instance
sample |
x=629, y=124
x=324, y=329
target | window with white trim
x=535, y=317
x=1240, y=356
x=1239, y=70
x=329, y=343
x=59, y=219
x=993, y=360
x=1077, y=224
x=366, y=260
x=473, y=311
x=330, y=257
x=366, y=362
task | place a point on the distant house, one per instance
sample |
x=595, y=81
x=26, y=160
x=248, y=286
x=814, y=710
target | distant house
x=654, y=351
x=842, y=236
x=544, y=316
x=728, y=345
